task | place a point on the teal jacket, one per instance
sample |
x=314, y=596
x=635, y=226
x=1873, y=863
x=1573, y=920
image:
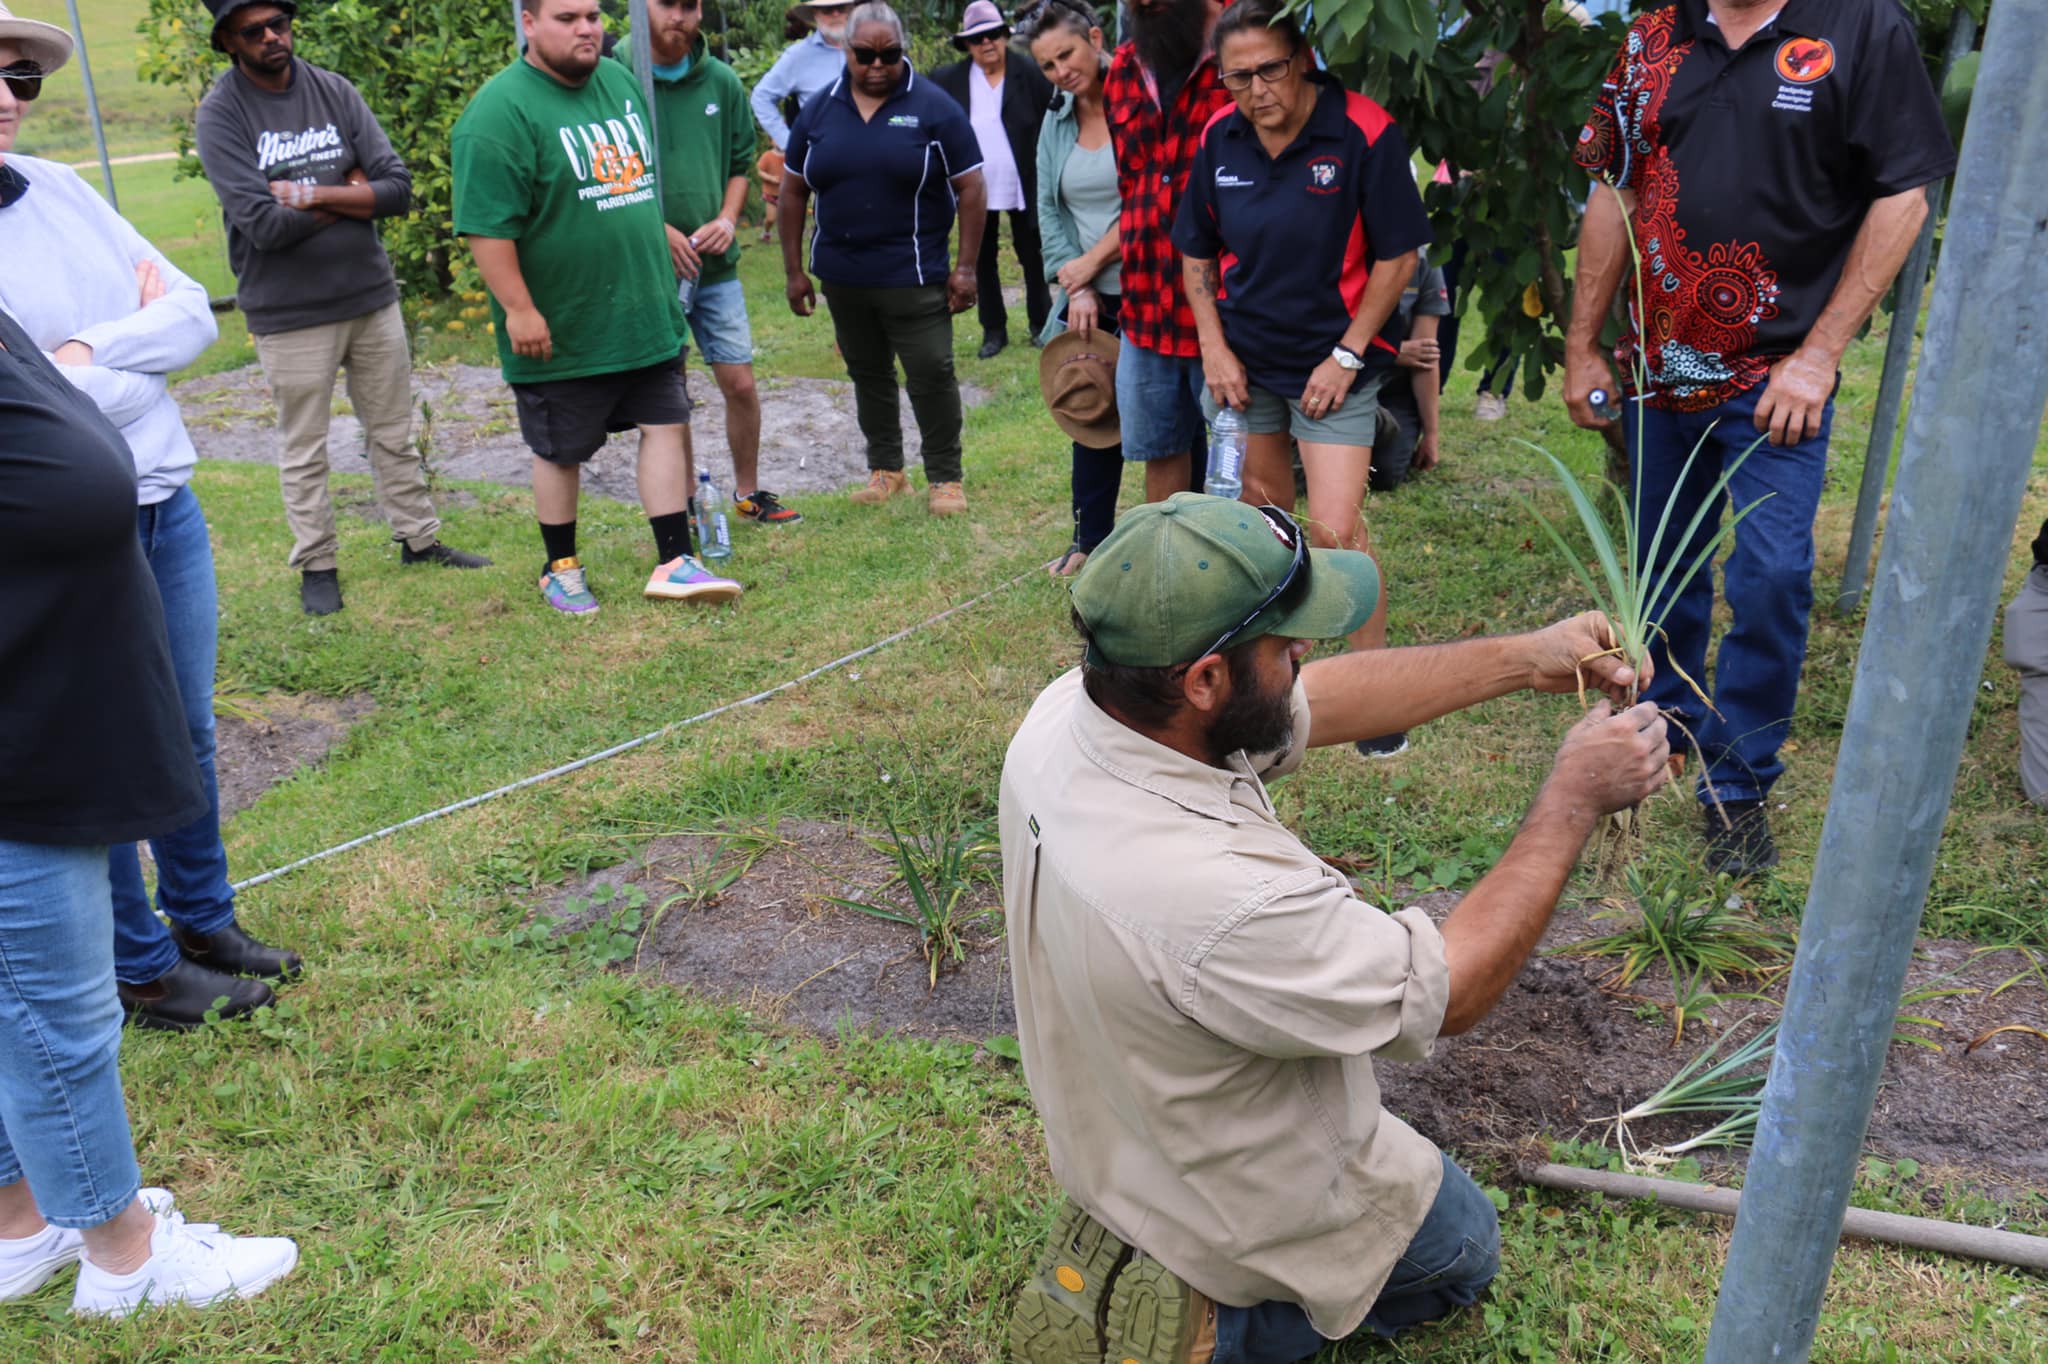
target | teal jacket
x=1058, y=240
x=706, y=138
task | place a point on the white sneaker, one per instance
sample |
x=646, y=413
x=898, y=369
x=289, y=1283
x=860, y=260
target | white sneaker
x=1490, y=407
x=29, y=1262
x=189, y=1262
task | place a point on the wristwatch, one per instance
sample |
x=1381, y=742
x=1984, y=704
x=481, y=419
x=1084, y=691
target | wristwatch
x=1348, y=358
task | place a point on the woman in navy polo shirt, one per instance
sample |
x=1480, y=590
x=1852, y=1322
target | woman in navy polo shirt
x=892, y=160
x=1298, y=230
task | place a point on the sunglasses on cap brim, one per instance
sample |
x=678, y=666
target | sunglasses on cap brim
x=1287, y=594
x=24, y=80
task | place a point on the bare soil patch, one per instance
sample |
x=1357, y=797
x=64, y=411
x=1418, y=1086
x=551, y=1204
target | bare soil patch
x=774, y=943
x=466, y=423
x=1559, y=1057
x=287, y=733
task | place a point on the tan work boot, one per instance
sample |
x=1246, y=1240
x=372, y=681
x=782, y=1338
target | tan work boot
x=882, y=485
x=946, y=499
x=1155, y=1317
x=1063, y=1308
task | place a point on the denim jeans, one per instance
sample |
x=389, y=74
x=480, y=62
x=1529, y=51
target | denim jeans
x=1447, y=1265
x=191, y=866
x=1769, y=582
x=63, y=1122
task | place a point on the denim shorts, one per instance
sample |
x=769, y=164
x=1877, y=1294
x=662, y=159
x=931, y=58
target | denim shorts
x=1354, y=422
x=718, y=323
x=1158, y=402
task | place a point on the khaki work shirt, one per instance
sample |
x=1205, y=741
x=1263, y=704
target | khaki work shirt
x=1199, y=999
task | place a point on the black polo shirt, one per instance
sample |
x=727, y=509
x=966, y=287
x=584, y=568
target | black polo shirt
x=1752, y=172
x=884, y=188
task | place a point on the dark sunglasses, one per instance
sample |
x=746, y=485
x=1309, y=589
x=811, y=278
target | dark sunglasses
x=280, y=24
x=1272, y=73
x=25, y=81
x=994, y=35
x=872, y=56
x=1290, y=590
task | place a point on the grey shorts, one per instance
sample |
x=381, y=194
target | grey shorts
x=1355, y=422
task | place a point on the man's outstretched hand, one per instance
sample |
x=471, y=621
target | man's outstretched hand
x=1580, y=650
x=1610, y=760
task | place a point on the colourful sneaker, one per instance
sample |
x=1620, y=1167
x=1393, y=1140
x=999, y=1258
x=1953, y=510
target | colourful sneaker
x=683, y=578
x=765, y=507
x=563, y=588
x=1062, y=1311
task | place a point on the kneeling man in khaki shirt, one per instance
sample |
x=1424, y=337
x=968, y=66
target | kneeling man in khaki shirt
x=1200, y=999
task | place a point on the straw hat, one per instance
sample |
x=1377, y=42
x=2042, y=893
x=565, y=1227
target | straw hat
x=48, y=46
x=1077, y=375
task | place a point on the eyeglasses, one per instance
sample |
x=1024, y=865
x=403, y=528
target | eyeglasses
x=1291, y=588
x=24, y=81
x=995, y=35
x=1272, y=73
x=876, y=56
x=280, y=24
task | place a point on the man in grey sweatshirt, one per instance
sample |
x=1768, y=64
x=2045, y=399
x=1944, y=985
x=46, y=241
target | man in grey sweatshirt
x=302, y=169
x=2026, y=648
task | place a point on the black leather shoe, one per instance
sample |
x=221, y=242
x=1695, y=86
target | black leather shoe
x=992, y=344
x=438, y=553
x=320, y=591
x=1739, y=839
x=233, y=952
x=179, y=999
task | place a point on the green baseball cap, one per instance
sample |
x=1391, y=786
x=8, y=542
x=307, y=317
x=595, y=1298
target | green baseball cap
x=1176, y=576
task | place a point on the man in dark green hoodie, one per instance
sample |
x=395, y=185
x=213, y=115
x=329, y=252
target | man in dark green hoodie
x=706, y=137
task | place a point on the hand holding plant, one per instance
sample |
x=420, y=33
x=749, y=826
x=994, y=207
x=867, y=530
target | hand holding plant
x=1611, y=760
x=1584, y=651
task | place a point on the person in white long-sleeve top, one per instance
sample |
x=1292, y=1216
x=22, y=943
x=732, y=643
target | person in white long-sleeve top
x=805, y=70
x=117, y=317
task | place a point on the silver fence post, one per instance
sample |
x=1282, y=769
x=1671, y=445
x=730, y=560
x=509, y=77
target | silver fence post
x=643, y=67
x=1969, y=447
x=92, y=105
x=1898, y=359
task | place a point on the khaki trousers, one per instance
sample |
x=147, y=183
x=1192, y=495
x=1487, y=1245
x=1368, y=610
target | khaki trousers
x=301, y=367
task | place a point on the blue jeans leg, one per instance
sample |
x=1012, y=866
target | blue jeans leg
x=63, y=1121
x=1453, y=1256
x=191, y=864
x=1768, y=580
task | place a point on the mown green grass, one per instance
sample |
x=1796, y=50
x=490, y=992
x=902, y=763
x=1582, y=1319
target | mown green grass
x=492, y=1152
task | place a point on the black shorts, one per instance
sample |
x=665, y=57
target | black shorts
x=565, y=421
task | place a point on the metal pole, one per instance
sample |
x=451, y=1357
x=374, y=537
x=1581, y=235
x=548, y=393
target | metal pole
x=92, y=105
x=643, y=67
x=1969, y=446
x=1898, y=358
x=518, y=30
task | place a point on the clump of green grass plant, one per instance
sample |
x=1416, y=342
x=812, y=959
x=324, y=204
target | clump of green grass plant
x=1692, y=928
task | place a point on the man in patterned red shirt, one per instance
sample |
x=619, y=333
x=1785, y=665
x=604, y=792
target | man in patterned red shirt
x=1771, y=158
x=1161, y=91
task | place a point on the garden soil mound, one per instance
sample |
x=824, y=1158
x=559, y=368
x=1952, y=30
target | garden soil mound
x=1559, y=1057
x=283, y=733
x=467, y=426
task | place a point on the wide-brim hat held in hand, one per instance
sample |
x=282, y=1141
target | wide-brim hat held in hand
x=48, y=46
x=1077, y=375
x=981, y=17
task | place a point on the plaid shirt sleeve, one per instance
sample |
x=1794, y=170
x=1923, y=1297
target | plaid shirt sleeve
x=1154, y=151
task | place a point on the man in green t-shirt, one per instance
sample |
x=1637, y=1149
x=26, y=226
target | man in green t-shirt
x=554, y=187
x=707, y=136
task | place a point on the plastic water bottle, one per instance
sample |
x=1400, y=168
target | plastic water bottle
x=1603, y=405
x=1226, y=454
x=714, y=536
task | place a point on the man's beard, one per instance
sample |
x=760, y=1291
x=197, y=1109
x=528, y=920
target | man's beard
x=1255, y=721
x=1169, y=41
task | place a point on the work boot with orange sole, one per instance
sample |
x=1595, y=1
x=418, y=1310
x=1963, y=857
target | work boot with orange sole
x=1063, y=1310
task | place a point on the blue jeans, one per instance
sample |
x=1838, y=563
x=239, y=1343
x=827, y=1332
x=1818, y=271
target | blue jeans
x=1769, y=584
x=1159, y=406
x=191, y=865
x=1452, y=1258
x=63, y=1122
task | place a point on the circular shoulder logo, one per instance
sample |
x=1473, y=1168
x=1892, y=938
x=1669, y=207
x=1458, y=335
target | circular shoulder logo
x=1803, y=61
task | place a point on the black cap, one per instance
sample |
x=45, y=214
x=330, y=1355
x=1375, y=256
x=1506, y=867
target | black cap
x=223, y=10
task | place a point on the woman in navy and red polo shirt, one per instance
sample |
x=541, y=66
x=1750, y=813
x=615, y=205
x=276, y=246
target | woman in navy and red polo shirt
x=1298, y=230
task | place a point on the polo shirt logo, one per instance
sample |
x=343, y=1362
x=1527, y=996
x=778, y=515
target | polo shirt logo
x=1803, y=61
x=1322, y=174
x=903, y=120
x=1225, y=179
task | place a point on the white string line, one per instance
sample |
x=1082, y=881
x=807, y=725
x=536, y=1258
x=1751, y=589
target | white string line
x=631, y=744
